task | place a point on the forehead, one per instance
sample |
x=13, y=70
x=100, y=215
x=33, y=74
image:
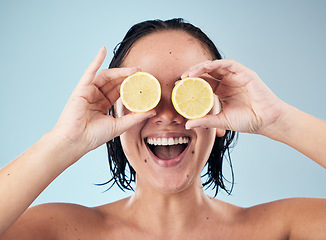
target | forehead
x=171, y=49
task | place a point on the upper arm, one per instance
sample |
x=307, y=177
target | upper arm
x=307, y=218
x=36, y=223
x=53, y=221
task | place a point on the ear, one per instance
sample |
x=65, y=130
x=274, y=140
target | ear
x=220, y=132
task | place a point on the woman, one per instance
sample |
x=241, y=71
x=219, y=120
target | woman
x=169, y=201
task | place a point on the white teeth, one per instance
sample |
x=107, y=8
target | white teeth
x=167, y=141
x=164, y=141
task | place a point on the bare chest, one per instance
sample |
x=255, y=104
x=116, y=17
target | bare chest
x=212, y=231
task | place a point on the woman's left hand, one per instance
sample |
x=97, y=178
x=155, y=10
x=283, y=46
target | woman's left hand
x=248, y=104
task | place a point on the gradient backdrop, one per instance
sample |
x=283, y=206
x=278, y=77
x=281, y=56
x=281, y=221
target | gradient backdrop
x=46, y=46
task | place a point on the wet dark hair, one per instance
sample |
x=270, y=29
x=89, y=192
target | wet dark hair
x=122, y=172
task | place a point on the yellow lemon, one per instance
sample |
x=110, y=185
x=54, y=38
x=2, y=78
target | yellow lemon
x=192, y=97
x=140, y=92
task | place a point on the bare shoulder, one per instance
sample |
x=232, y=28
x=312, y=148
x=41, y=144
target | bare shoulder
x=291, y=210
x=294, y=218
x=54, y=221
x=297, y=218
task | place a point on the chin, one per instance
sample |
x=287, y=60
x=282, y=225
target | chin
x=173, y=182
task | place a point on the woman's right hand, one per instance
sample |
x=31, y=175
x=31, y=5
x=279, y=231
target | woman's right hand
x=83, y=126
x=85, y=120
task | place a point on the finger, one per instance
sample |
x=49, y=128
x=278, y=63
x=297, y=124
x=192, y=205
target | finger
x=112, y=77
x=196, y=70
x=220, y=132
x=112, y=94
x=216, y=68
x=129, y=120
x=225, y=64
x=209, y=121
x=91, y=70
x=205, y=71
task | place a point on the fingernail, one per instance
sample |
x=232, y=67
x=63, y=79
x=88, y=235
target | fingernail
x=152, y=113
x=191, y=124
x=189, y=74
x=184, y=75
x=187, y=126
x=207, y=64
x=132, y=70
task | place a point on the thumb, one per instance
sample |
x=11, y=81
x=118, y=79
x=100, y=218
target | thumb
x=131, y=119
x=209, y=121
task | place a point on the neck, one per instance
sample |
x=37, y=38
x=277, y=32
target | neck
x=172, y=211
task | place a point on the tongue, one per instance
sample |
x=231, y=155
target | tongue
x=168, y=152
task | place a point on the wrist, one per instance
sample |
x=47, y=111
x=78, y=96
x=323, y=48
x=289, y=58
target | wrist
x=64, y=151
x=280, y=128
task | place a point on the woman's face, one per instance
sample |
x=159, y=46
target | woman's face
x=173, y=168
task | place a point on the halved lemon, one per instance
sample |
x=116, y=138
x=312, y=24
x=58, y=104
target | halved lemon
x=140, y=92
x=192, y=97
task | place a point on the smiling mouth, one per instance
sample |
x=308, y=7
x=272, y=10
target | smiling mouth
x=167, y=148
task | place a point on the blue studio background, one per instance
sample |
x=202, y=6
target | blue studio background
x=45, y=47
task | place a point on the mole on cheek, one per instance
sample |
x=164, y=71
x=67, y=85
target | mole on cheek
x=145, y=160
x=192, y=152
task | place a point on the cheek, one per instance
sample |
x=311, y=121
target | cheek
x=133, y=144
x=131, y=139
x=206, y=139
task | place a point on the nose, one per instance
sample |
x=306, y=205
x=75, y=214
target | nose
x=166, y=114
